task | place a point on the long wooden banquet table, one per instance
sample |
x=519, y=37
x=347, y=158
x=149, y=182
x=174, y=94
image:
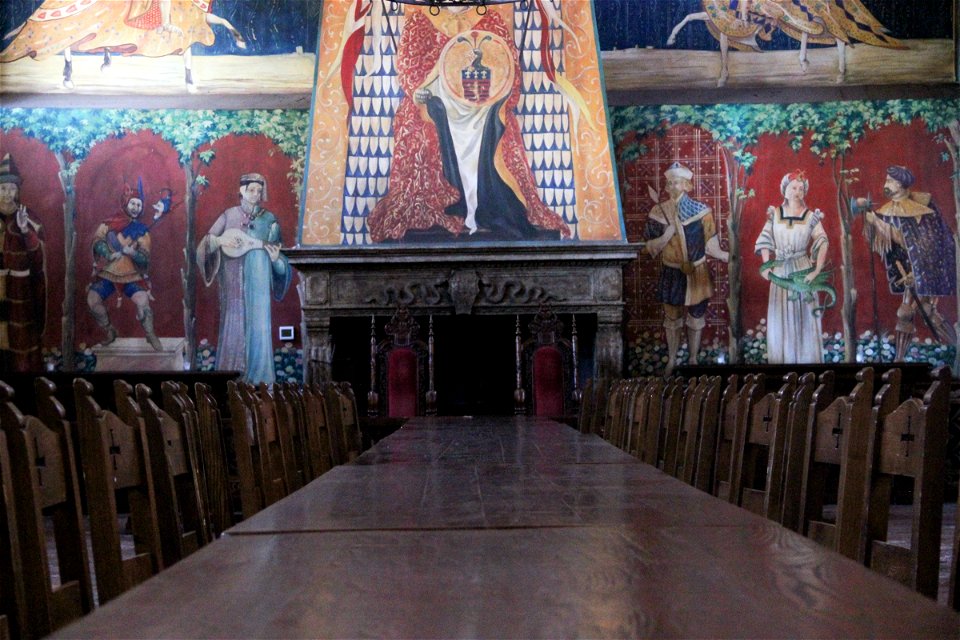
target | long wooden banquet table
x=511, y=527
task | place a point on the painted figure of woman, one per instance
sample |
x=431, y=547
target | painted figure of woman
x=793, y=240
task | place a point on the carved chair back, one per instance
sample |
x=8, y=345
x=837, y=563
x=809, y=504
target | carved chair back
x=45, y=484
x=115, y=455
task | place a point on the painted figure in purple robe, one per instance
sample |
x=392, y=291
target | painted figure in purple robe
x=243, y=248
x=793, y=239
x=682, y=232
x=919, y=255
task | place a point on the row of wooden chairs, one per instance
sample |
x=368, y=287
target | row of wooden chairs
x=158, y=472
x=820, y=462
x=286, y=437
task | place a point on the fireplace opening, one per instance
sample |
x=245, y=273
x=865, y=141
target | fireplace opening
x=474, y=358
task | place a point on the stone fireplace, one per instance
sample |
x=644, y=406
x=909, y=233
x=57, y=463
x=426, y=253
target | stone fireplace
x=482, y=280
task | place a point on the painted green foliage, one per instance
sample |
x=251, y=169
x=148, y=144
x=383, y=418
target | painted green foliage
x=828, y=130
x=72, y=133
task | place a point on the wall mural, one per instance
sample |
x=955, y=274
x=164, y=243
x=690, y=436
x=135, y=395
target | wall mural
x=141, y=235
x=244, y=46
x=702, y=43
x=791, y=233
x=459, y=126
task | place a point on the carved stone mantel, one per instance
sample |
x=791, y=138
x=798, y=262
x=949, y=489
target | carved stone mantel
x=462, y=279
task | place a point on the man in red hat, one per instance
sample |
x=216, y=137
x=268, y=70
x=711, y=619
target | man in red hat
x=23, y=284
x=121, y=250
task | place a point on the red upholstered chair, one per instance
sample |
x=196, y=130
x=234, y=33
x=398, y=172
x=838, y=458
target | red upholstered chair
x=401, y=369
x=550, y=387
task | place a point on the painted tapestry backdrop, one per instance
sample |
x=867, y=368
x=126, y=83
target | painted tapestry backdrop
x=459, y=127
x=844, y=151
x=75, y=167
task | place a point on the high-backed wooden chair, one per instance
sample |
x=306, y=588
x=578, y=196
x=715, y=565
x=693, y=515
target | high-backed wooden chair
x=748, y=395
x=290, y=423
x=178, y=485
x=795, y=451
x=691, y=411
x=649, y=429
x=550, y=363
x=597, y=418
x=760, y=487
x=627, y=436
x=838, y=446
x=266, y=408
x=706, y=446
x=350, y=425
x=205, y=410
x=726, y=437
x=315, y=428
x=206, y=436
x=259, y=486
x=910, y=443
x=616, y=401
x=401, y=369
x=333, y=398
x=13, y=602
x=272, y=467
x=115, y=458
x=45, y=485
x=671, y=403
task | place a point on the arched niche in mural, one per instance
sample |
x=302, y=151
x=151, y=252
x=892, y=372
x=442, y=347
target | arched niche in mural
x=43, y=195
x=875, y=309
x=644, y=185
x=232, y=157
x=114, y=168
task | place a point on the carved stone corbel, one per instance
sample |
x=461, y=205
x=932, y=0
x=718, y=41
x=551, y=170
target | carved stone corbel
x=464, y=289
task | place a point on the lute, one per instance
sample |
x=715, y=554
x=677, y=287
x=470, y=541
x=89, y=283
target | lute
x=235, y=243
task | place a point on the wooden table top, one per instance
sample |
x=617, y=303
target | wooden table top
x=445, y=545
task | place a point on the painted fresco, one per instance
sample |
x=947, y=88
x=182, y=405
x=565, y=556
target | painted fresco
x=459, y=126
x=835, y=227
x=702, y=43
x=148, y=46
x=155, y=229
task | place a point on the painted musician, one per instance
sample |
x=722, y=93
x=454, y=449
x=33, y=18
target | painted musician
x=682, y=232
x=121, y=252
x=918, y=252
x=23, y=284
x=242, y=250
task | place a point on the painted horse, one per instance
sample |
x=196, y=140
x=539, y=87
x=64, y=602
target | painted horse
x=739, y=23
x=152, y=28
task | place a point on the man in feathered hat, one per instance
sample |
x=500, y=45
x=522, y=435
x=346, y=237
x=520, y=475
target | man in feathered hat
x=918, y=252
x=242, y=251
x=121, y=251
x=23, y=284
x=683, y=233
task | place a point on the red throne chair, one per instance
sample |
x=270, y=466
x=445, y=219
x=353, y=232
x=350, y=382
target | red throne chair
x=550, y=387
x=401, y=369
